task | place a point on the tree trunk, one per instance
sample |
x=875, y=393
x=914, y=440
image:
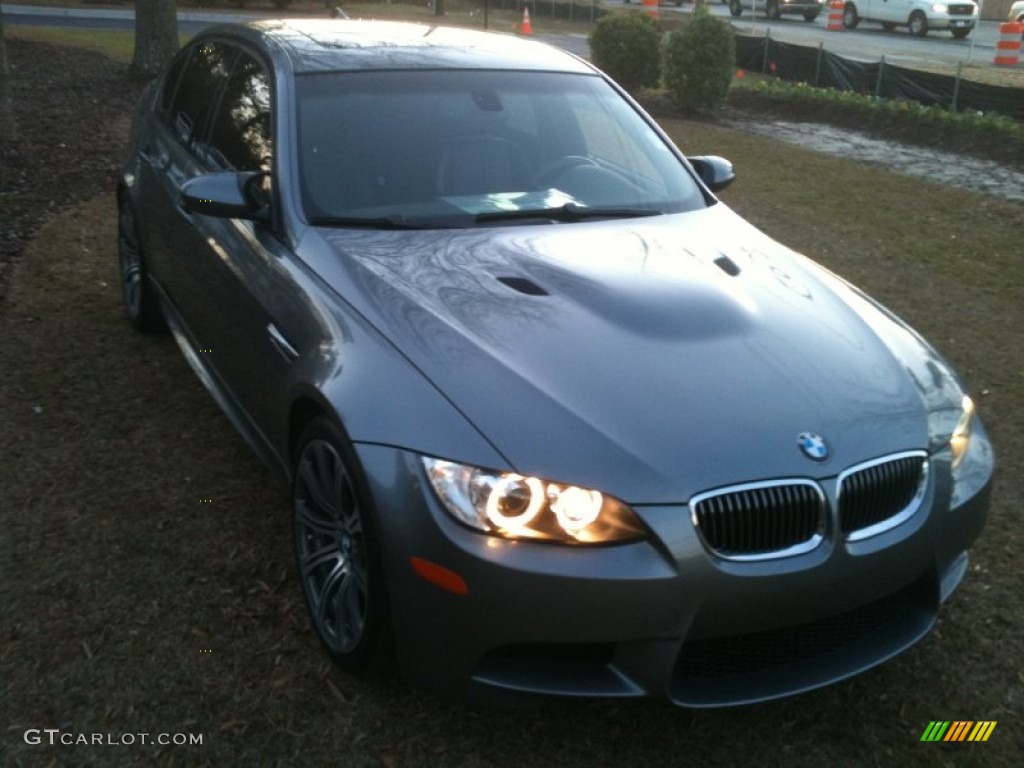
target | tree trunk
x=6, y=107
x=156, y=37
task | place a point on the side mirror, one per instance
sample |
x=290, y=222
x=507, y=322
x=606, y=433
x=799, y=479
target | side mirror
x=228, y=195
x=716, y=172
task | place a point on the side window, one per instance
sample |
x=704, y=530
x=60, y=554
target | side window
x=241, y=134
x=206, y=71
x=170, y=85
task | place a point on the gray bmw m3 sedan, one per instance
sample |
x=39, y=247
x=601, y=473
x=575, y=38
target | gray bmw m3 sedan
x=555, y=420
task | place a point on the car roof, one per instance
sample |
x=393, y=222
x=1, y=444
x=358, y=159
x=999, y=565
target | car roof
x=324, y=45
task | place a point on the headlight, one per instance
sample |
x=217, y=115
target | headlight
x=961, y=437
x=970, y=455
x=940, y=7
x=519, y=507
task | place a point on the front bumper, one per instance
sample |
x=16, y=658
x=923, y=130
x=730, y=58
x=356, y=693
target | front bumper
x=947, y=23
x=801, y=6
x=661, y=617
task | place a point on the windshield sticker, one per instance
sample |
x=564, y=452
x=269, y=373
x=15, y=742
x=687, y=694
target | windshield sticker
x=512, y=201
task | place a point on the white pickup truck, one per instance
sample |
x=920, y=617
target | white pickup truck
x=921, y=16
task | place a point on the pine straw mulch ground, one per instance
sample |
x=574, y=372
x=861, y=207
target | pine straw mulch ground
x=71, y=109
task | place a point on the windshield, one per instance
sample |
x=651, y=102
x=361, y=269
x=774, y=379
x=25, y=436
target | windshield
x=460, y=147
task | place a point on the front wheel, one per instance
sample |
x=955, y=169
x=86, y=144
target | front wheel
x=335, y=549
x=137, y=294
x=735, y=8
x=918, y=24
x=850, y=17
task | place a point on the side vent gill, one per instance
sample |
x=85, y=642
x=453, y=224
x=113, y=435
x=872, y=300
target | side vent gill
x=523, y=285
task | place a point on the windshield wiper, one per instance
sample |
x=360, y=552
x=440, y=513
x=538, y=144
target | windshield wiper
x=391, y=221
x=568, y=212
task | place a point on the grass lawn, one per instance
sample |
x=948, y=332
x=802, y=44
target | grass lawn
x=115, y=44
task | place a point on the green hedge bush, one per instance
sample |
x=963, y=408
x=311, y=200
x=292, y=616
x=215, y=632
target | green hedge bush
x=627, y=47
x=699, y=60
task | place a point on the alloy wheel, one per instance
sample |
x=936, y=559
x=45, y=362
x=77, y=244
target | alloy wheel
x=130, y=261
x=331, y=547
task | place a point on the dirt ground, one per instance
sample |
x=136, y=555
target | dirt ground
x=132, y=605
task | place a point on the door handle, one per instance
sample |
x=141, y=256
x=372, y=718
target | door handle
x=182, y=208
x=281, y=344
x=153, y=157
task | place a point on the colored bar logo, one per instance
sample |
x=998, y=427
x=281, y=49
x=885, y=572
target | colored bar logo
x=959, y=730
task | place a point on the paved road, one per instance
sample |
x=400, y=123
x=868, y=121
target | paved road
x=867, y=43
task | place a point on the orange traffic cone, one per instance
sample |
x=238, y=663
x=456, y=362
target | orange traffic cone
x=526, y=28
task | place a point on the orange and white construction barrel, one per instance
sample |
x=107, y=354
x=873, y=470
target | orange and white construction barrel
x=1008, y=44
x=834, y=20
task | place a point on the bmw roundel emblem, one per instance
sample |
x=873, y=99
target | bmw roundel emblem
x=813, y=446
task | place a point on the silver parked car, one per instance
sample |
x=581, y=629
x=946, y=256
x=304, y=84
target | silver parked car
x=554, y=418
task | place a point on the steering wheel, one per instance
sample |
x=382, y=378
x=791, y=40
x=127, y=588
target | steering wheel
x=560, y=166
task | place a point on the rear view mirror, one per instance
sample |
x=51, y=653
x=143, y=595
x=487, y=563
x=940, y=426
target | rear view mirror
x=227, y=195
x=716, y=172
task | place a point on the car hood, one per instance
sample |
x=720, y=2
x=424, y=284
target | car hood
x=648, y=358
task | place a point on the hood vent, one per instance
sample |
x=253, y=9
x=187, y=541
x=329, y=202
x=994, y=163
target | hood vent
x=523, y=285
x=727, y=265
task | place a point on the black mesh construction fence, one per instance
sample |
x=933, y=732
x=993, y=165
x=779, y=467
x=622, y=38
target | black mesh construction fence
x=818, y=67
x=570, y=10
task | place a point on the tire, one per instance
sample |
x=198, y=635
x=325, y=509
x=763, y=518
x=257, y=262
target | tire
x=811, y=15
x=888, y=26
x=850, y=17
x=141, y=304
x=773, y=11
x=336, y=550
x=960, y=34
x=918, y=24
x=735, y=8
